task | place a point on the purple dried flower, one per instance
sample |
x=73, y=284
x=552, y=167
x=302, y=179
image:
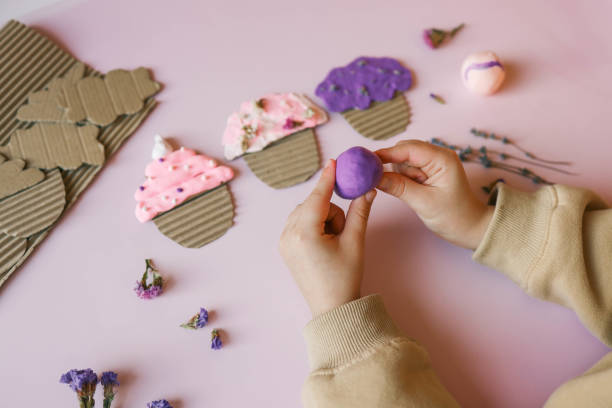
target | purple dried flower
x=83, y=382
x=434, y=37
x=108, y=380
x=80, y=380
x=149, y=288
x=427, y=34
x=159, y=404
x=216, y=342
x=198, y=320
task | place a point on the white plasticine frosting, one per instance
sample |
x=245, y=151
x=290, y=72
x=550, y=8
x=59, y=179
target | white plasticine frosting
x=161, y=147
x=268, y=119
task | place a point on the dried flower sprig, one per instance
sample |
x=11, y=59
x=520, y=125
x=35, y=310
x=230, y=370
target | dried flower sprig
x=434, y=37
x=507, y=141
x=198, y=320
x=108, y=380
x=146, y=290
x=216, y=342
x=437, y=98
x=83, y=382
x=162, y=403
x=481, y=155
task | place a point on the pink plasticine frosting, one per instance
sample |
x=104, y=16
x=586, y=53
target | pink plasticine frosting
x=174, y=178
x=268, y=119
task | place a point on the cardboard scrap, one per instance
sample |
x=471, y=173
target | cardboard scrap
x=13, y=178
x=34, y=209
x=49, y=145
x=30, y=62
x=11, y=250
x=290, y=161
x=99, y=100
x=381, y=120
x=199, y=220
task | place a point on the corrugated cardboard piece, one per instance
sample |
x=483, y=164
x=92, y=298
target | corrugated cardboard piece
x=199, y=220
x=100, y=101
x=381, y=120
x=13, y=177
x=50, y=145
x=11, y=250
x=34, y=209
x=290, y=161
x=32, y=61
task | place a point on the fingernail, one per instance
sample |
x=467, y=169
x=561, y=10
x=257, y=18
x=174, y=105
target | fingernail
x=328, y=163
x=370, y=196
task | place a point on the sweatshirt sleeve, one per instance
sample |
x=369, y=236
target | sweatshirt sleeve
x=358, y=358
x=556, y=243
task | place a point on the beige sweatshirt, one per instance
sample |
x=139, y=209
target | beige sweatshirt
x=555, y=243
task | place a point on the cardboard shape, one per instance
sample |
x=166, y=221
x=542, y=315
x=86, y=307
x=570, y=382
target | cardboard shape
x=11, y=249
x=98, y=100
x=13, y=178
x=381, y=120
x=50, y=145
x=29, y=62
x=199, y=220
x=33, y=61
x=32, y=210
x=288, y=162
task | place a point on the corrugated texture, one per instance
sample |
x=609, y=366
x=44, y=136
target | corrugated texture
x=34, y=209
x=290, y=161
x=199, y=220
x=49, y=145
x=32, y=62
x=13, y=178
x=11, y=250
x=381, y=120
x=28, y=61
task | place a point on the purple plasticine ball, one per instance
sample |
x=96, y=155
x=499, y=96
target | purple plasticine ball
x=358, y=170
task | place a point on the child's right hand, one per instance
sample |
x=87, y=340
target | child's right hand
x=432, y=181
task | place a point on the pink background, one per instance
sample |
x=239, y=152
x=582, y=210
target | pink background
x=72, y=305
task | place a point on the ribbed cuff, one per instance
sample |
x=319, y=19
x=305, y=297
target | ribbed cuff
x=344, y=333
x=517, y=233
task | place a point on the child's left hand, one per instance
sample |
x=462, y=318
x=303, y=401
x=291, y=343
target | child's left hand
x=323, y=248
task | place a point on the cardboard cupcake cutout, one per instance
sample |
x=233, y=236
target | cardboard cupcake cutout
x=275, y=134
x=369, y=94
x=186, y=196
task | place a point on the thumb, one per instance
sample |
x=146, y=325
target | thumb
x=401, y=186
x=357, y=217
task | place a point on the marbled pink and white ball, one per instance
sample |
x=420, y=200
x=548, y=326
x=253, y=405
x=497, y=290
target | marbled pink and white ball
x=483, y=73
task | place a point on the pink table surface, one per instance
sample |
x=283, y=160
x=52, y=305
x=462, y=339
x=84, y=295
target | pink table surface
x=72, y=304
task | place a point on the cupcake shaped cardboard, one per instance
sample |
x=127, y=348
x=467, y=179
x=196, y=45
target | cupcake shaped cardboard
x=30, y=202
x=369, y=94
x=275, y=134
x=186, y=196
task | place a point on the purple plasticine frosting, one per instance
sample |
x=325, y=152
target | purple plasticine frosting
x=482, y=65
x=358, y=170
x=363, y=81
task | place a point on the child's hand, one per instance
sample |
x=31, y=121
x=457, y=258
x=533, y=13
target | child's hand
x=431, y=180
x=323, y=248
